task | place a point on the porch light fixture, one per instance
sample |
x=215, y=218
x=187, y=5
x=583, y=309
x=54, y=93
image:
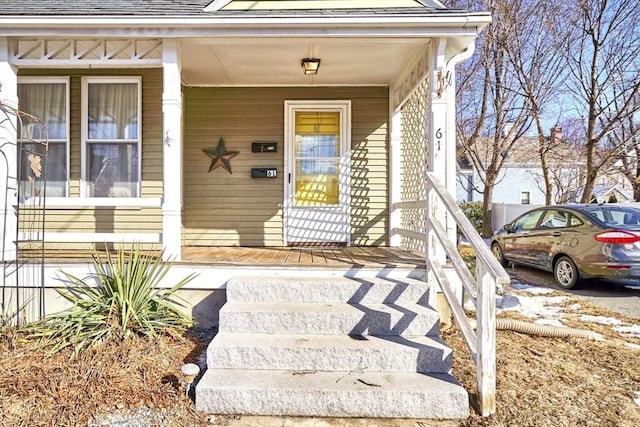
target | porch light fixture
x=310, y=66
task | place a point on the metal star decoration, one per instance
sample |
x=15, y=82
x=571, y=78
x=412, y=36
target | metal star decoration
x=220, y=156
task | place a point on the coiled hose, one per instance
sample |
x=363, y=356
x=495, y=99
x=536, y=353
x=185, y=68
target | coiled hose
x=544, y=330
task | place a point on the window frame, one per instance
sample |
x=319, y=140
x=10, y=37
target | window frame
x=522, y=199
x=85, y=141
x=26, y=80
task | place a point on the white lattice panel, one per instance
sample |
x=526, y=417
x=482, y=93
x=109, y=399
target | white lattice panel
x=412, y=80
x=134, y=52
x=414, y=153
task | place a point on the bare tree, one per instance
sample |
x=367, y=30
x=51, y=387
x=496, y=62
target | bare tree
x=538, y=68
x=506, y=88
x=601, y=46
x=564, y=164
x=623, y=143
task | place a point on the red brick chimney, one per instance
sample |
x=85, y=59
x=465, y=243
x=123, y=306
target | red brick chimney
x=556, y=133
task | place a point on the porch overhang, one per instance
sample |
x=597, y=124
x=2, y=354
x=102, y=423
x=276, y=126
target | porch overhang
x=262, y=50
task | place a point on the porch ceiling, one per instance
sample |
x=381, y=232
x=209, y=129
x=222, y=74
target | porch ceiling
x=277, y=62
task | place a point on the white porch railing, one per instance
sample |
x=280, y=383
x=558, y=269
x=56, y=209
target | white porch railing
x=480, y=289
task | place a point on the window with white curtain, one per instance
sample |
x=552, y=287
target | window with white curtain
x=111, y=130
x=47, y=100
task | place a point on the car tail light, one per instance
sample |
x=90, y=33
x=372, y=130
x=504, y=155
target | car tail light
x=620, y=237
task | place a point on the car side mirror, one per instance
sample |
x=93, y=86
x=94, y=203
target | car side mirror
x=508, y=228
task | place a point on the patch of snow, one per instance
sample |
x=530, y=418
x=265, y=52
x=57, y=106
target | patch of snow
x=637, y=399
x=507, y=302
x=520, y=286
x=539, y=306
x=534, y=290
x=468, y=305
x=633, y=331
x=574, y=307
x=612, y=321
x=632, y=346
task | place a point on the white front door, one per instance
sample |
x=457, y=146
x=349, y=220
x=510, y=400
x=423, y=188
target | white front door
x=316, y=190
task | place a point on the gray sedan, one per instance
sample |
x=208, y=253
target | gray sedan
x=574, y=242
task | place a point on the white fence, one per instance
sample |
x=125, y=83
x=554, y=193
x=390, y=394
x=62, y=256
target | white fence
x=504, y=213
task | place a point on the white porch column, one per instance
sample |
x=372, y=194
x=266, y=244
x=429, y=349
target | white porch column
x=395, y=186
x=442, y=132
x=8, y=162
x=172, y=152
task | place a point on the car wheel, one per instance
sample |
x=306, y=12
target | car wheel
x=496, y=249
x=565, y=273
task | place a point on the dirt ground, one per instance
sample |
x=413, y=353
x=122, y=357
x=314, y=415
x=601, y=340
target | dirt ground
x=540, y=382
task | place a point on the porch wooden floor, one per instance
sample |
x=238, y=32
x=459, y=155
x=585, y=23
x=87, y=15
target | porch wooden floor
x=303, y=257
x=358, y=256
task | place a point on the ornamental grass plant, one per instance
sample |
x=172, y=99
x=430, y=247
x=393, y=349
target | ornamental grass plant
x=122, y=298
x=10, y=325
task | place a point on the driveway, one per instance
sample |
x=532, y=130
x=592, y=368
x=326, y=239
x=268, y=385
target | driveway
x=620, y=296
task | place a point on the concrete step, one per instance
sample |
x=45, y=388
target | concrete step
x=331, y=394
x=327, y=289
x=329, y=353
x=328, y=318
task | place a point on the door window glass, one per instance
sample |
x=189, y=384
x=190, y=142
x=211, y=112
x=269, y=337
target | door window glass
x=317, y=158
x=528, y=221
x=554, y=218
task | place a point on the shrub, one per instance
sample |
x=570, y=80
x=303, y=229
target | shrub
x=120, y=300
x=473, y=211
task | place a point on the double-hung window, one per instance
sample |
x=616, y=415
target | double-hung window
x=111, y=136
x=46, y=99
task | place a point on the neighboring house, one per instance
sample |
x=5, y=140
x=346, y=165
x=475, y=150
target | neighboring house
x=521, y=179
x=194, y=123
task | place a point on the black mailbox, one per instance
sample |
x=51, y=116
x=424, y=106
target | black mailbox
x=264, y=147
x=264, y=172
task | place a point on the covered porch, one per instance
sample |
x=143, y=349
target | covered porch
x=226, y=74
x=209, y=85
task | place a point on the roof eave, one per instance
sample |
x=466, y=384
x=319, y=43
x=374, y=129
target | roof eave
x=23, y=25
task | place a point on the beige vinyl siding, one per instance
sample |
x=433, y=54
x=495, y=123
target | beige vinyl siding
x=222, y=209
x=118, y=219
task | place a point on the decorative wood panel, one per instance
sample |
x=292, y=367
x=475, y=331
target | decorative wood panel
x=84, y=52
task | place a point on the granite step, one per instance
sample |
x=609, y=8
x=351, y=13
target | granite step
x=328, y=318
x=330, y=289
x=331, y=394
x=329, y=352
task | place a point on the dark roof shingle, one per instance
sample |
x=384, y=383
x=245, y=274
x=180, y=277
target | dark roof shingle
x=167, y=8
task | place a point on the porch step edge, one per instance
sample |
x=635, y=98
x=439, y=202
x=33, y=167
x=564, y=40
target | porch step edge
x=327, y=289
x=329, y=353
x=331, y=394
x=329, y=318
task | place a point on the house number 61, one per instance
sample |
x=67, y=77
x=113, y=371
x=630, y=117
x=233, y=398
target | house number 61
x=439, y=136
